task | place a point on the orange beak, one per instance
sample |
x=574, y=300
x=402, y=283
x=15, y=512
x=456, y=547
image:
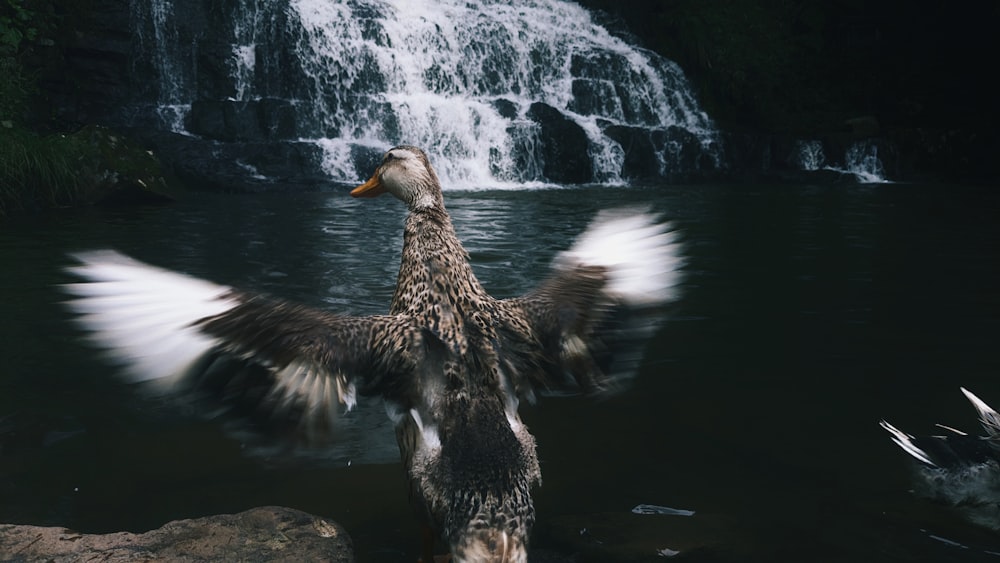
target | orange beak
x=372, y=188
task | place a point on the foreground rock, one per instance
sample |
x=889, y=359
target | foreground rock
x=259, y=534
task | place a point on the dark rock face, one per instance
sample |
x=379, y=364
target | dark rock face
x=641, y=161
x=84, y=76
x=505, y=108
x=596, y=89
x=102, y=71
x=259, y=534
x=832, y=70
x=257, y=120
x=777, y=158
x=564, y=146
x=673, y=153
x=250, y=166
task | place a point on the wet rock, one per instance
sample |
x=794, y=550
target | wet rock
x=83, y=70
x=594, y=97
x=214, y=61
x=366, y=157
x=259, y=534
x=641, y=161
x=505, y=108
x=239, y=167
x=865, y=125
x=672, y=152
x=257, y=120
x=682, y=152
x=564, y=146
x=117, y=171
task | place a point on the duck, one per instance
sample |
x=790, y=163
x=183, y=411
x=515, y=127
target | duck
x=451, y=363
x=956, y=468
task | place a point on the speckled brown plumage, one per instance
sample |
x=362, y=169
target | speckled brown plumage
x=451, y=362
x=477, y=484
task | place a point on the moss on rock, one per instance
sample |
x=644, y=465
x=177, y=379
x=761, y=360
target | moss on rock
x=92, y=165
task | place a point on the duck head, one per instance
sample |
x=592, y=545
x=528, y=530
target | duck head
x=406, y=173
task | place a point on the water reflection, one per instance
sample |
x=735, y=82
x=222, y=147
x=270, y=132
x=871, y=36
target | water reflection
x=809, y=314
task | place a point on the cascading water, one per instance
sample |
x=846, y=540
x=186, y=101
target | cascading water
x=157, y=43
x=809, y=155
x=459, y=78
x=862, y=160
x=247, y=29
x=499, y=94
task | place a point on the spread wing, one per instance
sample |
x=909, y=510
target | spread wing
x=956, y=449
x=585, y=327
x=180, y=333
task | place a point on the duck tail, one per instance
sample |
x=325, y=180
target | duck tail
x=989, y=417
x=905, y=441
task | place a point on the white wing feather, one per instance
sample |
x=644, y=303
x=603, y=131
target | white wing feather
x=144, y=316
x=905, y=441
x=642, y=255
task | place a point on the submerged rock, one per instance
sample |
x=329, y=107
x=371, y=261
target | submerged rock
x=259, y=534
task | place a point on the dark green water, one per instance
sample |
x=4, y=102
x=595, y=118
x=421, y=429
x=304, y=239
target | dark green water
x=809, y=313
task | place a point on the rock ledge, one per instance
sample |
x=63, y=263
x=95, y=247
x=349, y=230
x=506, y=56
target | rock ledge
x=267, y=533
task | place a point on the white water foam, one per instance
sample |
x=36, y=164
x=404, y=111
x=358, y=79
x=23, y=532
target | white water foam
x=430, y=74
x=862, y=160
x=455, y=77
x=810, y=155
x=171, y=106
x=246, y=30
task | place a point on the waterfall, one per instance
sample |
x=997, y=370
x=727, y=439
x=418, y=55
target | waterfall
x=158, y=42
x=499, y=94
x=862, y=160
x=809, y=155
x=246, y=36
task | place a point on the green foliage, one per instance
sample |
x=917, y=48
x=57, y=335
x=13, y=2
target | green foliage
x=89, y=166
x=37, y=171
x=14, y=91
x=23, y=24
